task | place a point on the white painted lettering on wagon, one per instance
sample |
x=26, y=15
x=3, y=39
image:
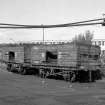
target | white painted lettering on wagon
x=35, y=48
x=43, y=55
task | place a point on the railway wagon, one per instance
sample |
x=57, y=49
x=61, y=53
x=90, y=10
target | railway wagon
x=72, y=61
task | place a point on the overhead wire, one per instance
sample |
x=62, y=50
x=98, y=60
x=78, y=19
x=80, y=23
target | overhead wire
x=21, y=26
x=54, y=26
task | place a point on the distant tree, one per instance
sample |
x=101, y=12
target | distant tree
x=85, y=38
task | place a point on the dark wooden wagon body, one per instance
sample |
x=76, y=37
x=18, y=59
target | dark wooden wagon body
x=53, y=59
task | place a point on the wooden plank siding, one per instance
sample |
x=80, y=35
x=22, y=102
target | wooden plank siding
x=88, y=56
x=71, y=55
x=67, y=55
x=18, y=50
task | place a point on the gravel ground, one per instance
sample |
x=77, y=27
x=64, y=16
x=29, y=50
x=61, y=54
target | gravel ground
x=17, y=89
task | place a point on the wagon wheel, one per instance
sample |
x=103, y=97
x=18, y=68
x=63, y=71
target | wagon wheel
x=10, y=67
x=19, y=69
x=23, y=71
x=43, y=73
x=66, y=76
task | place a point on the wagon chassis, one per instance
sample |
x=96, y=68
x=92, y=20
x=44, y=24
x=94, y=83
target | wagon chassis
x=45, y=70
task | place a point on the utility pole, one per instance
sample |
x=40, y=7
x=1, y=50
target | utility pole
x=43, y=32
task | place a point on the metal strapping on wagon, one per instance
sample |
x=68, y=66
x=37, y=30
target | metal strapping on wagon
x=41, y=66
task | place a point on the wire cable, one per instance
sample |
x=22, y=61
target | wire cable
x=47, y=26
x=19, y=26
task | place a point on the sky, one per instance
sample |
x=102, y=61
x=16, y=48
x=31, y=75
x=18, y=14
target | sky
x=47, y=12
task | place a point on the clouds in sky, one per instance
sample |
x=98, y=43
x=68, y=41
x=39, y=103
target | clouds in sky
x=39, y=12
